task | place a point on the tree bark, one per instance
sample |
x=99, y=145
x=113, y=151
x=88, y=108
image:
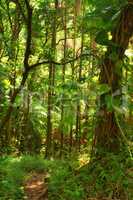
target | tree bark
x=63, y=80
x=107, y=134
x=51, y=86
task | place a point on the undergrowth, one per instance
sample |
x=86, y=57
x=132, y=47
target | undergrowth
x=112, y=177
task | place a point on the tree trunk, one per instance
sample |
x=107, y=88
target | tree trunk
x=107, y=134
x=25, y=74
x=51, y=86
x=63, y=80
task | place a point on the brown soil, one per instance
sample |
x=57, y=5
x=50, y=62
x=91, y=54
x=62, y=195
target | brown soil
x=36, y=187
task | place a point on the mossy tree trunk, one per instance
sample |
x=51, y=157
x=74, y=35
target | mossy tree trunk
x=107, y=133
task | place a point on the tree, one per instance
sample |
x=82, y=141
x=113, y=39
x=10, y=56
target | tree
x=107, y=132
x=51, y=82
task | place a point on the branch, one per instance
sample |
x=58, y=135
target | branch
x=62, y=39
x=29, y=32
x=59, y=63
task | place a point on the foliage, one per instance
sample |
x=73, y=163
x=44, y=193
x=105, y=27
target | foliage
x=66, y=82
x=110, y=176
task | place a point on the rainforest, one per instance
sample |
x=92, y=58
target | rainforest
x=66, y=99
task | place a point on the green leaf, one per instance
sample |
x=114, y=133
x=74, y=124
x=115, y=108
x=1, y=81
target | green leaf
x=109, y=102
x=102, y=37
x=104, y=88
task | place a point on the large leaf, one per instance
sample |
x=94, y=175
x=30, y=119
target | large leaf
x=103, y=88
x=102, y=37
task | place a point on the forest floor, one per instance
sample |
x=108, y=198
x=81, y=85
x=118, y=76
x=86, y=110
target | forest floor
x=35, y=187
x=33, y=178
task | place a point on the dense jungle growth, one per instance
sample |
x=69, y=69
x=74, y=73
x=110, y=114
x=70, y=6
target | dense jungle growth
x=66, y=99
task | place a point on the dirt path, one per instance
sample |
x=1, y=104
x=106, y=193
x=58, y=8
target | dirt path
x=36, y=187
